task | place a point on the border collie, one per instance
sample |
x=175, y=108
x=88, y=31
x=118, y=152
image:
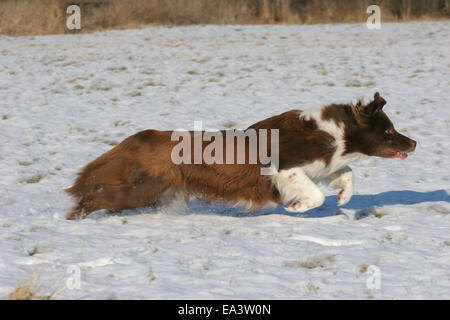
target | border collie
x=311, y=146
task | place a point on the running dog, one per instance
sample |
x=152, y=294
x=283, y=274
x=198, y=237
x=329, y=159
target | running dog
x=311, y=146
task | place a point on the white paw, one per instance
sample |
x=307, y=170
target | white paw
x=301, y=206
x=344, y=196
x=297, y=206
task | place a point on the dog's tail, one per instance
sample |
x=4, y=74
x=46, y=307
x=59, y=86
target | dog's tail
x=91, y=181
x=79, y=211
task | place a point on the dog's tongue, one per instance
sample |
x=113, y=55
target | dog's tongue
x=401, y=155
x=398, y=154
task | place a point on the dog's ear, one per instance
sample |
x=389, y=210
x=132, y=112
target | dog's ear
x=377, y=104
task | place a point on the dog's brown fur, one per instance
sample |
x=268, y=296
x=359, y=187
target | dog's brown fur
x=140, y=172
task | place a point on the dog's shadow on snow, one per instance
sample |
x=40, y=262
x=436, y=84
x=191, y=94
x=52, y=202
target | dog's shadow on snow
x=330, y=207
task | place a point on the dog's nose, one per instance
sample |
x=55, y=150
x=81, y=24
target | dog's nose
x=413, y=145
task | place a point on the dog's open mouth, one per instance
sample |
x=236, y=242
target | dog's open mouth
x=397, y=154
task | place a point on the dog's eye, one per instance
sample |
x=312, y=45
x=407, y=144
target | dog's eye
x=389, y=131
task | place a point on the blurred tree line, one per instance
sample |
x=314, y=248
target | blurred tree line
x=49, y=16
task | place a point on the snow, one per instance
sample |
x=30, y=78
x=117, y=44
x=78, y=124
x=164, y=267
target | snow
x=66, y=99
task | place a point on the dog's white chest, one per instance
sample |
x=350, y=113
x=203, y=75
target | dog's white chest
x=318, y=169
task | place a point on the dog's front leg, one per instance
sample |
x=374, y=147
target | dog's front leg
x=296, y=187
x=343, y=180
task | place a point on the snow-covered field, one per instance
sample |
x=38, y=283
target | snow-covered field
x=66, y=99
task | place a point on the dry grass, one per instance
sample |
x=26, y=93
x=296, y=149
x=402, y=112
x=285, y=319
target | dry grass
x=34, y=179
x=312, y=263
x=49, y=16
x=363, y=268
x=31, y=289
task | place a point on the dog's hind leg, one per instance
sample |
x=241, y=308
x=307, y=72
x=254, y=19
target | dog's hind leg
x=174, y=198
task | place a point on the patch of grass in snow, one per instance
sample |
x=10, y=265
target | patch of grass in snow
x=372, y=211
x=97, y=87
x=229, y=124
x=117, y=69
x=111, y=143
x=150, y=276
x=121, y=123
x=359, y=84
x=312, y=263
x=105, y=141
x=31, y=288
x=311, y=288
x=363, y=268
x=439, y=209
x=32, y=229
x=135, y=94
x=202, y=60
x=32, y=252
x=78, y=129
x=25, y=163
x=40, y=249
x=379, y=214
x=34, y=179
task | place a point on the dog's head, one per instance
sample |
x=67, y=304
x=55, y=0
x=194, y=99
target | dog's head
x=373, y=133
